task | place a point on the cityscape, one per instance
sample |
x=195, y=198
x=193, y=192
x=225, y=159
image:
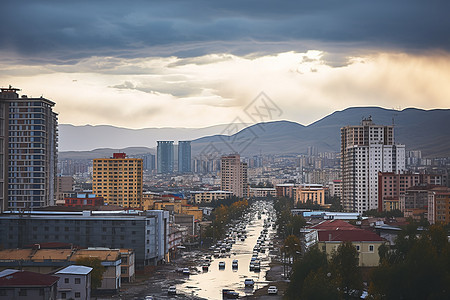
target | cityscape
x=206, y=151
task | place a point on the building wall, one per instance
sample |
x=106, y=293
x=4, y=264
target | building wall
x=165, y=157
x=69, y=284
x=208, y=197
x=367, y=253
x=118, y=181
x=233, y=174
x=366, y=150
x=144, y=234
x=28, y=151
x=184, y=157
x=35, y=293
x=310, y=193
x=439, y=206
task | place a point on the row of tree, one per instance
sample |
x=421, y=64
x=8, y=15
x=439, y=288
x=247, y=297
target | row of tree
x=223, y=215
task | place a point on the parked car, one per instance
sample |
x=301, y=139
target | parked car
x=248, y=282
x=221, y=265
x=272, y=290
x=186, y=271
x=172, y=290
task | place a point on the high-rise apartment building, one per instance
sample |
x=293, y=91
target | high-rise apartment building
x=184, y=157
x=366, y=150
x=118, y=180
x=233, y=174
x=165, y=157
x=28, y=151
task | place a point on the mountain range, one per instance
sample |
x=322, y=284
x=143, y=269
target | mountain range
x=425, y=130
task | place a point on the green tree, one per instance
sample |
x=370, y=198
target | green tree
x=415, y=268
x=318, y=285
x=313, y=260
x=345, y=270
x=97, y=270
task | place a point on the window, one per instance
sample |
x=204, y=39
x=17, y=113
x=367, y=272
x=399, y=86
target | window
x=22, y=292
x=77, y=280
x=77, y=294
x=63, y=295
x=371, y=248
x=357, y=248
x=66, y=280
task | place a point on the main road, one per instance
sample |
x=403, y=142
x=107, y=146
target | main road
x=209, y=284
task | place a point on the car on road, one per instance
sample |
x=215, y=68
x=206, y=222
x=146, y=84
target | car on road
x=248, y=282
x=230, y=294
x=186, y=271
x=221, y=265
x=234, y=264
x=172, y=290
x=272, y=290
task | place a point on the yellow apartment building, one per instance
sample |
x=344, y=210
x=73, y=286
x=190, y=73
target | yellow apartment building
x=118, y=180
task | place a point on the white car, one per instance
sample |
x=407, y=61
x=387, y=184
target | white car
x=272, y=290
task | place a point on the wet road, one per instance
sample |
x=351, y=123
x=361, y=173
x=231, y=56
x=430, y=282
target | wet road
x=209, y=285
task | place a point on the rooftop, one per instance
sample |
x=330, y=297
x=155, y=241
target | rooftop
x=341, y=235
x=76, y=270
x=26, y=278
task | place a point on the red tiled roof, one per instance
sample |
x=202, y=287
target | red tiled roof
x=355, y=235
x=333, y=225
x=26, y=278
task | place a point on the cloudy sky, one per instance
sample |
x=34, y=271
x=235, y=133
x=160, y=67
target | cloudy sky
x=198, y=63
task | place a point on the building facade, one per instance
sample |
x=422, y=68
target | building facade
x=184, y=157
x=118, y=180
x=74, y=282
x=165, y=157
x=314, y=193
x=209, y=196
x=366, y=150
x=391, y=186
x=28, y=151
x=439, y=205
x=144, y=232
x=233, y=174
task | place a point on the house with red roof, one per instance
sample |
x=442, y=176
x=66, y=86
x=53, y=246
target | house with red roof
x=328, y=235
x=16, y=284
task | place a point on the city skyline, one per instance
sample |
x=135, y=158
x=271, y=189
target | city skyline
x=158, y=64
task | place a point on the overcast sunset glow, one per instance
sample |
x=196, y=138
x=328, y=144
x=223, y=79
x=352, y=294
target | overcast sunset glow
x=198, y=63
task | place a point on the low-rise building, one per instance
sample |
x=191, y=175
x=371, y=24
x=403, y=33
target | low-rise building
x=262, y=192
x=46, y=261
x=144, y=232
x=314, y=193
x=74, y=282
x=83, y=200
x=17, y=284
x=209, y=196
x=127, y=268
x=438, y=210
x=330, y=234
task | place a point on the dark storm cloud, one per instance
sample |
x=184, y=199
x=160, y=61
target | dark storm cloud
x=66, y=31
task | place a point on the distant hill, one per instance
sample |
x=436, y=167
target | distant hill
x=426, y=130
x=89, y=137
x=103, y=153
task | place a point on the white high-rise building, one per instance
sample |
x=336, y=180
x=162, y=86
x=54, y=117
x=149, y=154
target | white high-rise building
x=233, y=174
x=366, y=150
